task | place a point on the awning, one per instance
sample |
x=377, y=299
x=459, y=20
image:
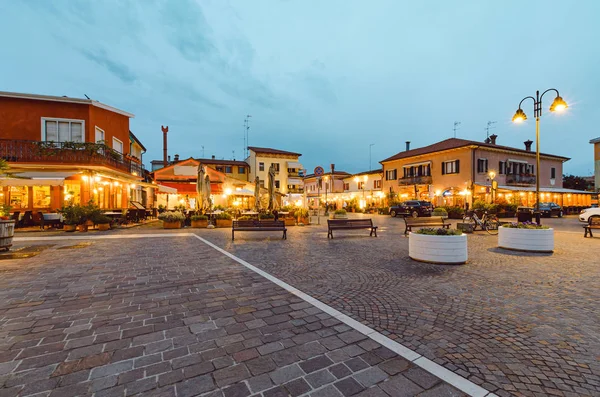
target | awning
x=542, y=189
x=189, y=188
x=517, y=161
x=417, y=164
x=166, y=189
x=294, y=181
x=31, y=178
x=294, y=164
x=242, y=192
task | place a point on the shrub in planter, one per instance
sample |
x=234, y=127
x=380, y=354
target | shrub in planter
x=440, y=212
x=443, y=246
x=102, y=221
x=526, y=236
x=266, y=215
x=339, y=214
x=455, y=212
x=302, y=215
x=172, y=219
x=223, y=220
x=199, y=220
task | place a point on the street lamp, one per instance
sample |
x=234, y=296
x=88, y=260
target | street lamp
x=326, y=178
x=492, y=175
x=558, y=105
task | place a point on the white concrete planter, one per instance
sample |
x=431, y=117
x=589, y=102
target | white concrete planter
x=449, y=250
x=530, y=240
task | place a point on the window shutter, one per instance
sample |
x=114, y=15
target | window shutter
x=443, y=169
x=457, y=166
x=63, y=132
x=77, y=132
x=51, y=131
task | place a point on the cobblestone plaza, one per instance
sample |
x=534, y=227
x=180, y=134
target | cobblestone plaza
x=147, y=313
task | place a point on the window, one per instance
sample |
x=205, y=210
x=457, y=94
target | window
x=377, y=184
x=99, y=135
x=482, y=165
x=220, y=168
x=62, y=130
x=553, y=173
x=529, y=169
x=41, y=196
x=361, y=185
x=241, y=170
x=117, y=145
x=502, y=167
x=451, y=167
x=228, y=169
x=276, y=166
x=261, y=166
x=417, y=170
x=346, y=186
x=276, y=184
x=72, y=192
x=19, y=197
x=390, y=175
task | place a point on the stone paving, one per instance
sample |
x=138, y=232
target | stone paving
x=514, y=323
x=174, y=317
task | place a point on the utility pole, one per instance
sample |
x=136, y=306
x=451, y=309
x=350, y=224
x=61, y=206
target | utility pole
x=456, y=124
x=246, y=137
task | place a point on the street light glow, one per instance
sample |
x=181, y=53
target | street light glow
x=558, y=105
x=519, y=116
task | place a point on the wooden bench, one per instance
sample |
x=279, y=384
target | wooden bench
x=594, y=223
x=434, y=221
x=254, y=225
x=340, y=224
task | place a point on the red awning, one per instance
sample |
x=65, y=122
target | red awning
x=190, y=188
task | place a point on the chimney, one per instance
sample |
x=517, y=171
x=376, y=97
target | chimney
x=165, y=130
x=168, y=159
x=407, y=146
x=176, y=159
x=493, y=139
x=528, y=145
x=213, y=156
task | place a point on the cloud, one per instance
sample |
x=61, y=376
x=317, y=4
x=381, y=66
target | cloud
x=120, y=70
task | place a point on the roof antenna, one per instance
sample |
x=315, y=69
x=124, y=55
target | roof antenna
x=87, y=97
x=456, y=124
x=488, y=128
x=233, y=153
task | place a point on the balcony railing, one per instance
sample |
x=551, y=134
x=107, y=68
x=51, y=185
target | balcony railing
x=415, y=180
x=15, y=151
x=296, y=190
x=520, y=180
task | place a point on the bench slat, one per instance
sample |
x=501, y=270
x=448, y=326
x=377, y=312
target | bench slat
x=339, y=224
x=427, y=222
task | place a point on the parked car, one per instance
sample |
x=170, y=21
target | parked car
x=412, y=208
x=588, y=213
x=551, y=209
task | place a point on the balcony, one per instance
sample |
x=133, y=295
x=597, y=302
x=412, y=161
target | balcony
x=415, y=180
x=296, y=190
x=295, y=174
x=520, y=180
x=75, y=153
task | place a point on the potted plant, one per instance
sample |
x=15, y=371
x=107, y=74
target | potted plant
x=70, y=217
x=7, y=227
x=440, y=211
x=199, y=220
x=444, y=246
x=302, y=216
x=455, y=212
x=266, y=215
x=171, y=219
x=526, y=236
x=339, y=214
x=223, y=220
x=102, y=221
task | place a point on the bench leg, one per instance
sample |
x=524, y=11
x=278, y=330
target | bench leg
x=284, y=235
x=374, y=231
x=406, y=230
x=232, y=234
x=330, y=233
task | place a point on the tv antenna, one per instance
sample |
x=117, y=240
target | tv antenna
x=488, y=128
x=233, y=153
x=456, y=124
x=246, y=139
x=202, y=151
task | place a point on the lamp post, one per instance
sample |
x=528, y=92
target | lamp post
x=326, y=178
x=492, y=175
x=558, y=105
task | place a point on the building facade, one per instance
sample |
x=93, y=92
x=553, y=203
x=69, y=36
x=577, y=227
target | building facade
x=457, y=171
x=69, y=150
x=289, y=171
x=232, y=168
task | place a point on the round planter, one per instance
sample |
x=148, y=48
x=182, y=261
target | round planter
x=200, y=223
x=103, y=227
x=529, y=240
x=7, y=232
x=83, y=228
x=448, y=250
x=172, y=225
x=69, y=228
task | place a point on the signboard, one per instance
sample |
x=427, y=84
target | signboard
x=319, y=171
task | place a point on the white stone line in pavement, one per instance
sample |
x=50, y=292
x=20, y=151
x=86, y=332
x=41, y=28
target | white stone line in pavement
x=464, y=385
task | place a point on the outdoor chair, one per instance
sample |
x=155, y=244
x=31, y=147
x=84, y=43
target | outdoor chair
x=27, y=219
x=15, y=217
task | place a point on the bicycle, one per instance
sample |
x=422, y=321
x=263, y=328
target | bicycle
x=487, y=222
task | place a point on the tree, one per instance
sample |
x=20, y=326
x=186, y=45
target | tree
x=576, y=182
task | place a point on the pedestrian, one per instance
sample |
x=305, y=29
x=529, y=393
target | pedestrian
x=275, y=215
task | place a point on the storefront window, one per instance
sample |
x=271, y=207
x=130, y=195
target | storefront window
x=19, y=197
x=41, y=196
x=72, y=192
